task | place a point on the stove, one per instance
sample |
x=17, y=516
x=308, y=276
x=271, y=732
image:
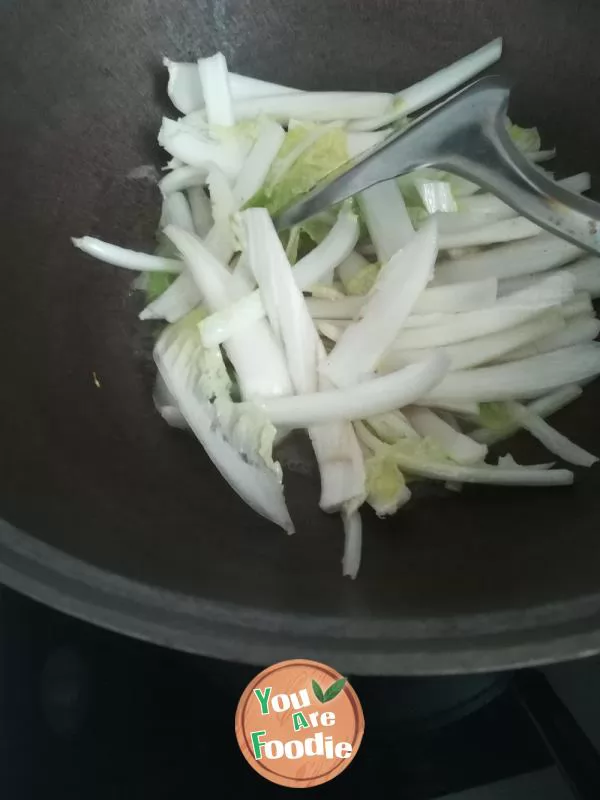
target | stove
x=89, y=713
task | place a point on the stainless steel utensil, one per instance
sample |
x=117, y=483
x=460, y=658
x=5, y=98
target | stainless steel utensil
x=465, y=135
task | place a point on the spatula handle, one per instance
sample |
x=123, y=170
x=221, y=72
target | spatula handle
x=479, y=148
x=465, y=135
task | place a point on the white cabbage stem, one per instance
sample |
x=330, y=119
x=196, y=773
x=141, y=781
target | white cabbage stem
x=359, y=142
x=527, y=378
x=392, y=426
x=537, y=254
x=257, y=358
x=184, y=178
x=433, y=300
x=585, y=273
x=483, y=349
x=214, y=78
x=336, y=246
x=399, y=285
x=579, y=305
x=443, y=471
x=282, y=299
x=176, y=211
x=485, y=474
x=374, y=396
x=313, y=106
x=201, y=210
x=552, y=440
x=175, y=302
x=464, y=408
x=185, y=87
x=337, y=451
x=506, y=230
x=166, y=405
x=459, y=447
x=129, y=259
x=257, y=485
x=386, y=218
x=352, y=543
x=183, y=294
x=197, y=150
x=341, y=465
x=576, y=331
x=257, y=165
x=543, y=407
x=436, y=196
x=484, y=203
x=508, y=312
x=435, y=86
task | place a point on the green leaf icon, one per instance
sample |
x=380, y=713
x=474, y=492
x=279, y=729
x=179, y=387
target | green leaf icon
x=334, y=690
x=318, y=692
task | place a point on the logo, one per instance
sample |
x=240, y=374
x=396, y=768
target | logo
x=299, y=723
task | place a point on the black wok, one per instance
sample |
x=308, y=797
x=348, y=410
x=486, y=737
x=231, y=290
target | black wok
x=112, y=516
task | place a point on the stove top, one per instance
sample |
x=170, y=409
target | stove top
x=88, y=713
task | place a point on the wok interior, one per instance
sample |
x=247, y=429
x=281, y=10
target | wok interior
x=93, y=470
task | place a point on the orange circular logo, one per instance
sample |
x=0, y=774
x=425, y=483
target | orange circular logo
x=299, y=723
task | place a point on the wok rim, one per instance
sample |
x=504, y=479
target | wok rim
x=484, y=642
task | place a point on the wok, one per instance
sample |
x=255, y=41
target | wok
x=112, y=516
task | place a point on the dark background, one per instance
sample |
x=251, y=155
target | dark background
x=88, y=713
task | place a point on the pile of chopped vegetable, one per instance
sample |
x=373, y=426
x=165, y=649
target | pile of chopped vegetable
x=406, y=330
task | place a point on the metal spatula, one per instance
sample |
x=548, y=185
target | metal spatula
x=465, y=135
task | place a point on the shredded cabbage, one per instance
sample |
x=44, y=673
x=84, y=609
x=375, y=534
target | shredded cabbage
x=401, y=363
x=528, y=140
x=495, y=416
x=237, y=438
x=156, y=283
x=386, y=486
x=308, y=154
x=363, y=280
